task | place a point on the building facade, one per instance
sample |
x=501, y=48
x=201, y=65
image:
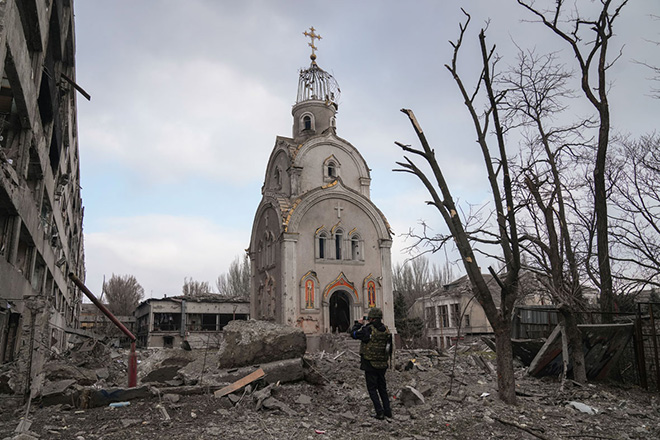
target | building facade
x=320, y=249
x=453, y=313
x=41, y=212
x=198, y=320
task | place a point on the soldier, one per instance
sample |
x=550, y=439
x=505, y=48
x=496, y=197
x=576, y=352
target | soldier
x=375, y=350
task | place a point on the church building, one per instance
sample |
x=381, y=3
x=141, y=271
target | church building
x=320, y=249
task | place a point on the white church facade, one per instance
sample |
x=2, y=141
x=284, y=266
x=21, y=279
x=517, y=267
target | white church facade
x=320, y=250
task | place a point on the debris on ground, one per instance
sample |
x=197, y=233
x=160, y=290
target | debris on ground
x=454, y=398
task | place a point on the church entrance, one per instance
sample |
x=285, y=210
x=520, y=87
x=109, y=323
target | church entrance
x=340, y=312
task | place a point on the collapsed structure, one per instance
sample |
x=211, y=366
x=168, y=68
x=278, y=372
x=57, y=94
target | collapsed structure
x=197, y=320
x=320, y=249
x=41, y=210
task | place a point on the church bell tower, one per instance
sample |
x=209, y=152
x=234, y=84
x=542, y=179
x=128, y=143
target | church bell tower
x=320, y=249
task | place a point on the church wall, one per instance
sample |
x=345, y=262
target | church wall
x=313, y=173
x=277, y=179
x=265, y=255
x=327, y=270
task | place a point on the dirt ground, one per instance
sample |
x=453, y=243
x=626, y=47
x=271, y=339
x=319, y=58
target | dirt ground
x=333, y=404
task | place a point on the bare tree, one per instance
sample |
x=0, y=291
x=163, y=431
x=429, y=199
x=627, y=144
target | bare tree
x=505, y=234
x=236, y=282
x=589, y=39
x=123, y=294
x=536, y=94
x=417, y=277
x=195, y=288
x=635, y=231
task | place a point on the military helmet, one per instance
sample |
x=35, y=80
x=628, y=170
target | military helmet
x=375, y=313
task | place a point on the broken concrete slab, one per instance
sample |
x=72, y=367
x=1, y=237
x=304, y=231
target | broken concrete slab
x=304, y=399
x=409, y=396
x=171, y=398
x=273, y=403
x=55, y=392
x=255, y=342
x=603, y=345
x=289, y=370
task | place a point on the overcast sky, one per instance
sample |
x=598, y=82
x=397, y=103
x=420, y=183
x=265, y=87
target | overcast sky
x=188, y=97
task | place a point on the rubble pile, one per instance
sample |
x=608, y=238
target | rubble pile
x=450, y=394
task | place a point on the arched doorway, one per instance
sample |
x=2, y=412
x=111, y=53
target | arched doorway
x=340, y=312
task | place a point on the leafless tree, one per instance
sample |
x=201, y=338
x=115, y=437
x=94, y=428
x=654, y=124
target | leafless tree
x=536, y=94
x=635, y=231
x=505, y=234
x=589, y=40
x=418, y=277
x=123, y=294
x=195, y=288
x=236, y=282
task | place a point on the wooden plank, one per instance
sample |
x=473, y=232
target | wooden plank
x=240, y=383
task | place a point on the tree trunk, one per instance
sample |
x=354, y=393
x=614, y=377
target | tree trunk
x=574, y=336
x=506, y=382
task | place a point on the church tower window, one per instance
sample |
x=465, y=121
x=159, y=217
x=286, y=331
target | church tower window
x=332, y=170
x=307, y=123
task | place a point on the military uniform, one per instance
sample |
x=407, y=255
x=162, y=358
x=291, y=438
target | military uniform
x=375, y=351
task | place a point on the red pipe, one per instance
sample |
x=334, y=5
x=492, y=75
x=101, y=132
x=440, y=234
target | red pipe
x=132, y=359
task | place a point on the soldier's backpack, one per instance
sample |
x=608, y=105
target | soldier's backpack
x=378, y=350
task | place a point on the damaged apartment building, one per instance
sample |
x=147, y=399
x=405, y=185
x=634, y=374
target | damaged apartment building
x=41, y=211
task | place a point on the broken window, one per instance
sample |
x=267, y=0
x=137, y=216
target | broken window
x=429, y=317
x=226, y=318
x=167, y=321
x=444, y=316
x=209, y=322
x=456, y=315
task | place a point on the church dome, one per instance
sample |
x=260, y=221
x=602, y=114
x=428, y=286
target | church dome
x=315, y=84
x=317, y=100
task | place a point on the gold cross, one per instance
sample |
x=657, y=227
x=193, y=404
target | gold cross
x=313, y=36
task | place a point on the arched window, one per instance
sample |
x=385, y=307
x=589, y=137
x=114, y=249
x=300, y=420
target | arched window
x=322, y=245
x=307, y=122
x=332, y=169
x=355, y=248
x=339, y=237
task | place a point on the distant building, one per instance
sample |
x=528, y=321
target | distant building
x=320, y=248
x=41, y=212
x=453, y=312
x=92, y=319
x=167, y=322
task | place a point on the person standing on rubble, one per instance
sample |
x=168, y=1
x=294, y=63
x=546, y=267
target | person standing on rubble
x=375, y=350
